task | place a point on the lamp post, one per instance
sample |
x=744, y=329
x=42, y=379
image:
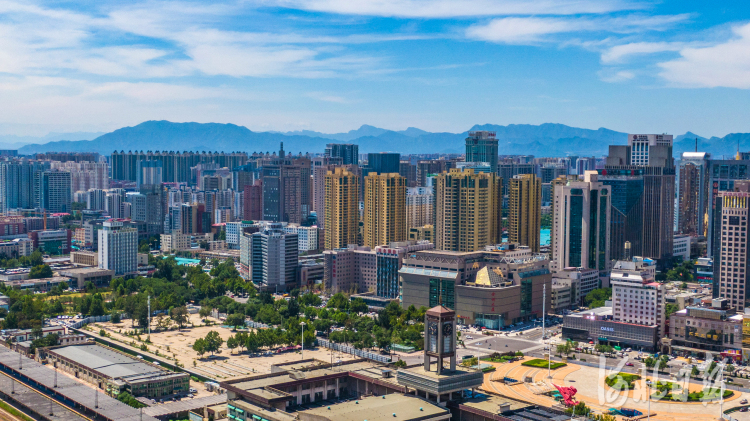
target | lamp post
x=721, y=391
x=303, y=339
x=648, y=384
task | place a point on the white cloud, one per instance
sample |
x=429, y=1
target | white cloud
x=725, y=64
x=327, y=97
x=456, y=8
x=620, y=53
x=616, y=76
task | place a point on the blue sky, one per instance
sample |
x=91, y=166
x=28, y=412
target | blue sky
x=332, y=65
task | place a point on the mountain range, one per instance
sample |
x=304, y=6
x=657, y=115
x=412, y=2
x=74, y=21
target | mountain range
x=514, y=139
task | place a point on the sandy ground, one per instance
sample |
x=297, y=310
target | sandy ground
x=225, y=364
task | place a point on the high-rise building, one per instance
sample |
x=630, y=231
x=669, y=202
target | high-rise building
x=350, y=269
x=54, y=191
x=253, y=207
x=149, y=172
x=342, y=208
x=113, y=205
x=581, y=224
x=626, y=218
x=551, y=171
x=382, y=163
x=467, y=208
x=509, y=168
x=188, y=218
x=420, y=202
x=320, y=167
x=481, y=146
x=17, y=184
x=389, y=260
x=156, y=207
x=428, y=168
x=84, y=175
x=636, y=296
x=384, y=209
x=693, y=194
x=118, y=248
x=650, y=157
x=525, y=210
x=724, y=175
x=274, y=258
x=176, y=166
x=409, y=172
x=348, y=152
x=731, y=277
x=137, y=204
x=286, y=189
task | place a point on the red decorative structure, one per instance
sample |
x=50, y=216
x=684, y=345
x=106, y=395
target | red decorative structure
x=567, y=394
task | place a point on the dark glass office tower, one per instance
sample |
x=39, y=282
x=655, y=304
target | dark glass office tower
x=481, y=146
x=382, y=163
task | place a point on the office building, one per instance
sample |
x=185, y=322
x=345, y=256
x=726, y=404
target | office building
x=156, y=207
x=564, y=295
x=96, y=199
x=509, y=168
x=174, y=241
x=253, y=202
x=389, y=261
x=581, y=282
x=626, y=217
x=188, y=218
x=596, y=325
x=551, y=171
x=384, y=213
x=701, y=330
x=693, y=194
x=351, y=269
x=137, y=204
x=286, y=189
x=274, y=258
x=642, y=146
x=488, y=288
x=307, y=237
x=730, y=255
x=525, y=210
x=724, y=175
x=348, y=152
x=54, y=191
x=409, y=171
x=636, y=296
x=581, y=224
x=481, y=146
x=233, y=231
x=52, y=241
x=118, y=248
x=420, y=203
x=149, y=172
x=681, y=245
x=341, y=208
x=382, y=163
x=467, y=208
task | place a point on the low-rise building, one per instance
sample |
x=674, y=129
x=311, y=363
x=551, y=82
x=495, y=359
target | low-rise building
x=423, y=233
x=85, y=258
x=585, y=280
x=564, y=294
x=704, y=270
x=41, y=285
x=174, y=242
x=52, y=241
x=681, y=247
x=715, y=329
x=597, y=325
x=78, y=277
x=636, y=296
x=117, y=372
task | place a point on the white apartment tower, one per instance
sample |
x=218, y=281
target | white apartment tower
x=641, y=143
x=636, y=296
x=118, y=248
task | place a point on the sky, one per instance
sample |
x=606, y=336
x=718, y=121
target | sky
x=332, y=65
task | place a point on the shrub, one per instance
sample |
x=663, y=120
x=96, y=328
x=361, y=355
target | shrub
x=622, y=381
x=540, y=363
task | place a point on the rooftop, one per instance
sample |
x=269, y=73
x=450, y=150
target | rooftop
x=108, y=362
x=376, y=408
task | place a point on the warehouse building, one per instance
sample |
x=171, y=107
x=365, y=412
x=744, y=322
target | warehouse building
x=117, y=372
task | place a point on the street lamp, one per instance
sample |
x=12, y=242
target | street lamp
x=721, y=391
x=303, y=339
x=648, y=384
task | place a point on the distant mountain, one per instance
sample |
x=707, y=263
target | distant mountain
x=514, y=139
x=14, y=142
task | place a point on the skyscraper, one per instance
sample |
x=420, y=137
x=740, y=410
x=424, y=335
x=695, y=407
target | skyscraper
x=118, y=248
x=693, y=194
x=481, y=146
x=54, y=191
x=286, y=189
x=524, y=210
x=626, y=218
x=724, y=175
x=420, y=203
x=17, y=182
x=382, y=163
x=348, y=152
x=467, y=208
x=384, y=209
x=342, y=208
x=274, y=258
x=253, y=207
x=581, y=224
x=731, y=280
x=148, y=172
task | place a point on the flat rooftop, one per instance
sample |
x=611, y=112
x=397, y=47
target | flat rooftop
x=599, y=311
x=376, y=408
x=109, y=362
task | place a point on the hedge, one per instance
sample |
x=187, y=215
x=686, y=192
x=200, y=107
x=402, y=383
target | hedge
x=540, y=363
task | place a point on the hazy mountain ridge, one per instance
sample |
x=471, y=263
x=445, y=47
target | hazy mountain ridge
x=542, y=140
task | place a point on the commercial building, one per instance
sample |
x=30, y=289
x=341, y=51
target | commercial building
x=636, y=296
x=425, y=233
x=341, y=208
x=54, y=191
x=731, y=242
x=352, y=269
x=118, y=248
x=307, y=236
x=581, y=281
x=78, y=277
x=581, y=224
x=716, y=329
x=420, y=207
x=85, y=258
x=382, y=163
x=693, y=194
x=704, y=270
x=52, y=241
x=389, y=261
x=596, y=325
x=169, y=243
x=725, y=175
x=467, y=209
x=274, y=258
x=481, y=146
x=16, y=248
x=116, y=372
x=384, y=213
x=287, y=196
x=524, y=210
x=626, y=216
x=348, y=152
x=253, y=201
x=564, y=295
x=487, y=288
x=681, y=245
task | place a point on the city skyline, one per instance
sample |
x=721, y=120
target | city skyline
x=331, y=66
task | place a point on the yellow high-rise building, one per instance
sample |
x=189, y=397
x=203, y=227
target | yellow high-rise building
x=468, y=210
x=342, y=208
x=525, y=210
x=384, y=214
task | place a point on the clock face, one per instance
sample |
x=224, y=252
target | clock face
x=432, y=328
x=447, y=329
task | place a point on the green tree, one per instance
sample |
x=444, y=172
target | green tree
x=236, y=320
x=40, y=271
x=232, y=343
x=199, y=346
x=213, y=341
x=204, y=312
x=597, y=297
x=359, y=306
x=670, y=309
x=180, y=316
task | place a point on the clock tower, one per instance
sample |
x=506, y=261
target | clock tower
x=440, y=337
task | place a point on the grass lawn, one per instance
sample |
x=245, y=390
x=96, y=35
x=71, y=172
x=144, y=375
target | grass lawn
x=707, y=394
x=540, y=363
x=622, y=381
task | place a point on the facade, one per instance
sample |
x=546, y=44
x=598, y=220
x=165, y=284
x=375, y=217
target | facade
x=626, y=216
x=384, y=213
x=348, y=152
x=596, y=325
x=409, y=171
x=564, y=295
x=233, y=231
x=341, y=208
x=581, y=224
x=117, y=372
x=582, y=281
x=17, y=184
x=174, y=241
x=176, y=166
x=724, y=175
x=85, y=258
x=682, y=247
x=425, y=233
x=307, y=236
x=287, y=196
x=642, y=146
x=486, y=288
x=54, y=191
x=148, y=172
x=389, y=261
x=253, y=201
x=382, y=163
x=467, y=209
x=693, y=194
x=730, y=255
x=525, y=210
x=118, y=248
x=509, y=168
x=420, y=207
x=53, y=242
x=84, y=175
x=351, y=269
x=274, y=256
x=481, y=146
x=636, y=297
x=716, y=329
x=16, y=248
